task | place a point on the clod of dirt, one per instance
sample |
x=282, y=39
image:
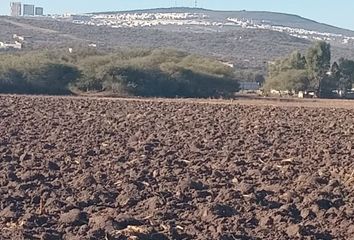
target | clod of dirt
x=50, y=235
x=266, y=221
x=87, y=181
x=53, y=166
x=32, y=176
x=9, y=213
x=25, y=157
x=7, y=158
x=35, y=220
x=190, y=184
x=245, y=188
x=101, y=222
x=12, y=176
x=351, y=229
x=74, y=217
x=123, y=221
x=48, y=146
x=324, y=204
x=305, y=213
x=126, y=200
x=222, y=210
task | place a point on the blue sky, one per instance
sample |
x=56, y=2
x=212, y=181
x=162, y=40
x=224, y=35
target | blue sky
x=339, y=12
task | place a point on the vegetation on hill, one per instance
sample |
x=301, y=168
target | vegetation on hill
x=312, y=72
x=150, y=73
x=247, y=49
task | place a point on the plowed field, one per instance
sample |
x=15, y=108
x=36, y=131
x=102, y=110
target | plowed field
x=80, y=168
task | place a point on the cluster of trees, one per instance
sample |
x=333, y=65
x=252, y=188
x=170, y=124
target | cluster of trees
x=35, y=73
x=311, y=72
x=166, y=73
x=151, y=73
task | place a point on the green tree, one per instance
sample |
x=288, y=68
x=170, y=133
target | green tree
x=259, y=78
x=340, y=79
x=296, y=61
x=53, y=78
x=346, y=69
x=318, y=64
x=288, y=73
x=290, y=80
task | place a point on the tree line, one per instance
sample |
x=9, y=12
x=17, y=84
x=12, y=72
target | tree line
x=139, y=72
x=312, y=71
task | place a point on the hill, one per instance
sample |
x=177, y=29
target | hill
x=271, y=18
x=248, y=40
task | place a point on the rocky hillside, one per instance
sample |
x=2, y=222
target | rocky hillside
x=246, y=39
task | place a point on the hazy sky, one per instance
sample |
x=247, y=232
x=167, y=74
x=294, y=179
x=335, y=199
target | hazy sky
x=339, y=12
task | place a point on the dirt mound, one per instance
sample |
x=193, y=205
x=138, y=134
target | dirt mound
x=102, y=169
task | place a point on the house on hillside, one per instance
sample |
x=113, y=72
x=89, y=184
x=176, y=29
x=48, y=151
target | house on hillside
x=18, y=38
x=16, y=45
x=228, y=64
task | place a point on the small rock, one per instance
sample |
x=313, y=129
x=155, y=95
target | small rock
x=155, y=173
x=305, y=213
x=25, y=157
x=293, y=230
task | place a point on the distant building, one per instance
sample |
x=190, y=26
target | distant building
x=18, y=38
x=39, y=11
x=15, y=9
x=28, y=10
x=16, y=45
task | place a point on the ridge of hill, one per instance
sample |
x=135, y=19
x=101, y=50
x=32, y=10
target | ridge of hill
x=274, y=18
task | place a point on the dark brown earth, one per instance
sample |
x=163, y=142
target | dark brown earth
x=76, y=168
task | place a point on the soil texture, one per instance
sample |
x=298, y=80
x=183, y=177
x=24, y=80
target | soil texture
x=80, y=168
